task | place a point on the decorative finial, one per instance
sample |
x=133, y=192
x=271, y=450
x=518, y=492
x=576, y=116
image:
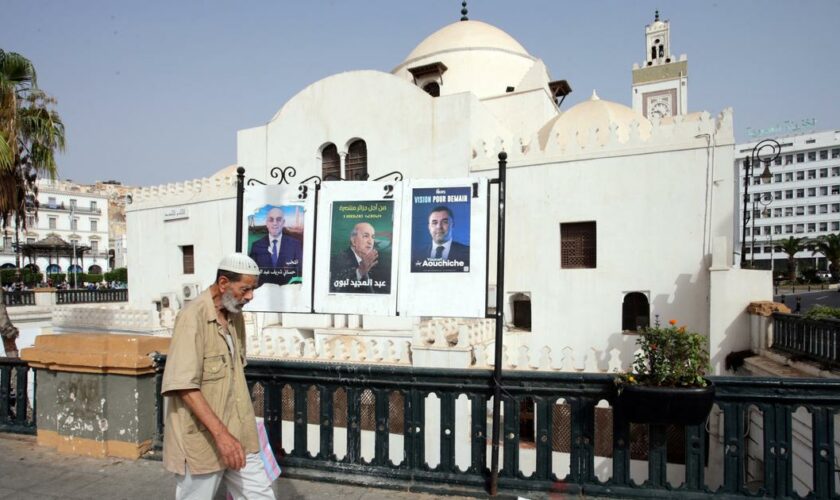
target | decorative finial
x=594, y=96
x=656, y=15
x=464, y=11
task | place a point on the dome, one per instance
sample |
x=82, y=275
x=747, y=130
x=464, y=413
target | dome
x=594, y=114
x=476, y=56
x=466, y=35
x=229, y=171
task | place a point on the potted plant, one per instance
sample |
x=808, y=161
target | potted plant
x=667, y=383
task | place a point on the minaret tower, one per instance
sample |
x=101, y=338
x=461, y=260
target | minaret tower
x=660, y=86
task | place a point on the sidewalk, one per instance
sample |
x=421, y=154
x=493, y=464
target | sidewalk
x=29, y=471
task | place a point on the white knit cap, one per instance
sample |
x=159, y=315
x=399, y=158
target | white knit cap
x=239, y=263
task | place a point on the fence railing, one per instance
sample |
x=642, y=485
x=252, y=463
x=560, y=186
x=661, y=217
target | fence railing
x=22, y=298
x=17, y=412
x=91, y=296
x=560, y=433
x=812, y=339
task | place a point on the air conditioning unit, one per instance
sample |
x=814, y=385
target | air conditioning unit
x=172, y=298
x=190, y=291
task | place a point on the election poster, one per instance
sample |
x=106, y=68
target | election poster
x=358, y=246
x=440, y=229
x=278, y=222
x=361, y=246
x=445, y=273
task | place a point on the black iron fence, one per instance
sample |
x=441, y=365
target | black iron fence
x=91, y=296
x=810, y=339
x=21, y=298
x=17, y=413
x=561, y=436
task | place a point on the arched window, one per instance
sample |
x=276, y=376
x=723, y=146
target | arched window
x=635, y=312
x=32, y=267
x=53, y=269
x=330, y=163
x=432, y=88
x=355, y=168
x=7, y=265
x=75, y=268
x=95, y=269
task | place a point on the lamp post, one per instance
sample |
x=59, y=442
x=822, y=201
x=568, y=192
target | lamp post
x=765, y=151
x=764, y=200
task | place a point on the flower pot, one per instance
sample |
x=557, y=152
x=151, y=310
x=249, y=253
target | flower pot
x=666, y=405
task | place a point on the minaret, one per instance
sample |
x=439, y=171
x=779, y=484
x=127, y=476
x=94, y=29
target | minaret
x=660, y=86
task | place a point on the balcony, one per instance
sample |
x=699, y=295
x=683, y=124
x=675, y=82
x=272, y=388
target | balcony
x=61, y=207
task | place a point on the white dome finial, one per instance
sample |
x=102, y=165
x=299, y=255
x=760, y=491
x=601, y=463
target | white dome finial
x=594, y=96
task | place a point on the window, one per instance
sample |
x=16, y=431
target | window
x=72, y=203
x=789, y=176
x=777, y=195
x=788, y=228
x=330, y=163
x=356, y=166
x=93, y=225
x=835, y=226
x=835, y=153
x=74, y=242
x=812, y=191
x=577, y=245
x=756, y=180
x=635, y=312
x=766, y=249
x=835, y=189
x=521, y=307
x=835, y=171
x=52, y=222
x=823, y=209
x=823, y=190
x=766, y=230
x=788, y=211
x=778, y=160
x=800, y=210
x=823, y=226
x=835, y=208
x=432, y=88
x=823, y=173
x=777, y=229
x=92, y=206
x=800, y=157
x=747, y=232
x=187, y=259
x=812, y=156
x=812, y=209
x=756, y=196
x=51, y=202
x=788, y=159
x=7, y=242
x=800, y=193
x=812, y=227
x=95, y=269
x=812, y=174
x=799, y=228
x=800, y=176
x=94, y=246
x=789, y=194
x=31, y=220
x=74, y=223
x=777, y=178
x=777, y=212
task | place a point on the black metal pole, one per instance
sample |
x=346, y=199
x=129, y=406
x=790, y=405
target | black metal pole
x=744, y=225
x=240, y=195
x=500, y=316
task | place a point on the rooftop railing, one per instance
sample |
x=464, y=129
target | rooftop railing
x=81, y=296
x=815, y=340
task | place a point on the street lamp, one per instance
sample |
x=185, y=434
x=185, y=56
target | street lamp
x=764, y=201
x=765, y=151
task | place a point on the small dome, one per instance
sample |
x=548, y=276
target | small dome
x=466, y=35
x=478, y=58
x=594, y=114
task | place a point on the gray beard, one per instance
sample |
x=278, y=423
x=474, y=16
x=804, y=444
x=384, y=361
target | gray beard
x=230, y=303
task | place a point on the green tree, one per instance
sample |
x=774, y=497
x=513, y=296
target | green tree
x=31, y=132
x=829, y=246
x=791, y=246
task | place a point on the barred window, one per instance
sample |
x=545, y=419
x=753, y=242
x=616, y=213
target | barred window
x=577, y=245
x=356, y=165
x=330, y=163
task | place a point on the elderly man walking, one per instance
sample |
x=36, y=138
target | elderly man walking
x=211, y=435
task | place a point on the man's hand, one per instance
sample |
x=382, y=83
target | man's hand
x=232, y=451
x=369, y=260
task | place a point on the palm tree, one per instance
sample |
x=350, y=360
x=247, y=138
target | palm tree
x=31, y=132
x=829, y=246
x=790, y=246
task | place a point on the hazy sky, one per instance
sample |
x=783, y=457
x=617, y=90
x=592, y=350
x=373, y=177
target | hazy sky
x=154, y=91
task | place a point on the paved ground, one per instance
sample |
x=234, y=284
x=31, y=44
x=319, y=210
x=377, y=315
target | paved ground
x=28, y=471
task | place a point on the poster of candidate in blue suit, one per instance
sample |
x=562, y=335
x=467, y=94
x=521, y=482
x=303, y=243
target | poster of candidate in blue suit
x=440, y=230
x=275, y=242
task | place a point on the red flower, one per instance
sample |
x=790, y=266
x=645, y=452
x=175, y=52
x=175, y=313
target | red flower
x=672, y=322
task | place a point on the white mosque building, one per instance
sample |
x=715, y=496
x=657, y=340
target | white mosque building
x=616, y=215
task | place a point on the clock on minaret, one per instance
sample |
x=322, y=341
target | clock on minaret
x=659, y=106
